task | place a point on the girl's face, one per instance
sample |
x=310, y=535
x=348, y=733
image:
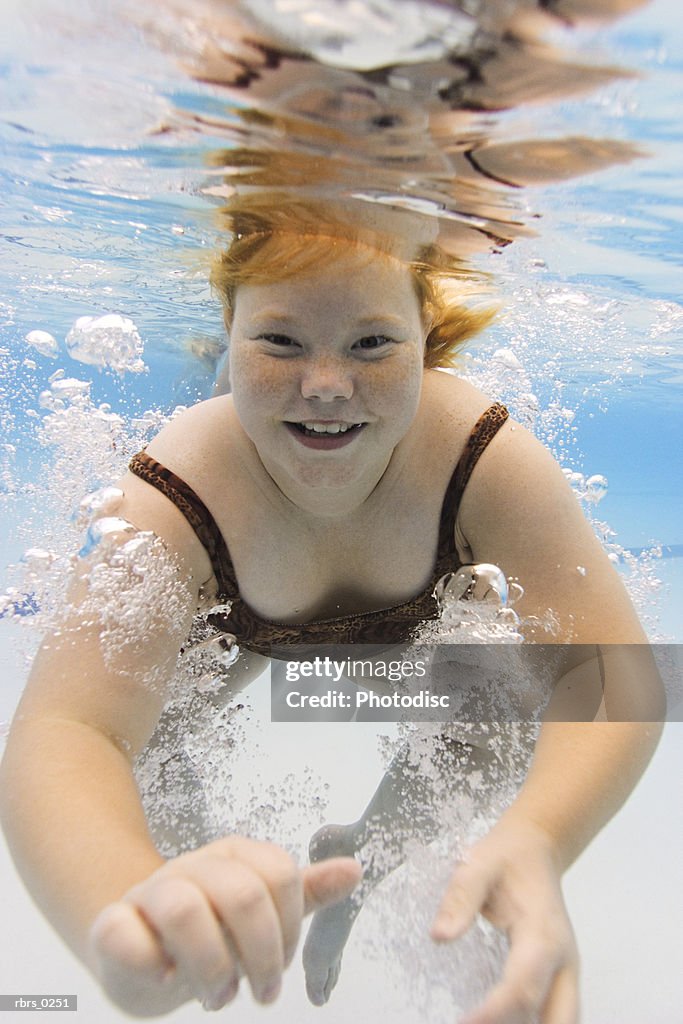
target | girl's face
x=326, y=370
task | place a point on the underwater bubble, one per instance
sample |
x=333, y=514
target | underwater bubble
x=581, y=569
x=508, y=359
x=567, y=298
x=488, y=584
x=577, y=480
x=38, y=559
x=111, y=340
x=133, y=550
x=46, y=400
x=209, y=682
x=529, y=403
x=596, y=488
x=101, y=530
x=100, y=503
x=507, y=617
x=482, y=582
x=69, y=388
x=43, y=342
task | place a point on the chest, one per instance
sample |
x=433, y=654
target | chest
x=291, y=571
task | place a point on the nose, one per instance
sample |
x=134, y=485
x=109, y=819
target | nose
x=327, y=378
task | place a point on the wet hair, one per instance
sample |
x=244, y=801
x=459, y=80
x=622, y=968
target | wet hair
x=274, y=239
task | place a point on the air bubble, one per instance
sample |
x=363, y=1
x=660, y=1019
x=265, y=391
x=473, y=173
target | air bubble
x=507, y=617
x=100, y=503
x=111, y=340
x=69, y=388
x=46, y=400
x=44, y=343
x=38, y=559
x=508, y=359
x=102, y=530
x=596, y=488
x=581, y=569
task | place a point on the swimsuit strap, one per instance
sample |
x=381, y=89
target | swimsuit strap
x=209, y=535
x=197, y=515
x=483, y=432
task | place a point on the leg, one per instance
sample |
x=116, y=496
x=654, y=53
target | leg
x=408, y=803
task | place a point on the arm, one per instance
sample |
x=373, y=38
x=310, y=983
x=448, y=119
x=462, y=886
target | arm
x=519, y=512
x=69, y=800
x=155, y=933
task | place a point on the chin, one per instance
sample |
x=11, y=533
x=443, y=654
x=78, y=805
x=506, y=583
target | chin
x=325, y=476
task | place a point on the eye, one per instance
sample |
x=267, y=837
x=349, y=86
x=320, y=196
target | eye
x=281, y=340
x=373, y=342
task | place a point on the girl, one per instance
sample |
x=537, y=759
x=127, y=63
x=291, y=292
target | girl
x=322, y=500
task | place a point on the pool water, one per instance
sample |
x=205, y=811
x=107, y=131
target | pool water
x=110, y=183
x=108, y=209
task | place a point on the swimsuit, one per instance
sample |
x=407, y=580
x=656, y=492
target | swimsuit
x=385, y=626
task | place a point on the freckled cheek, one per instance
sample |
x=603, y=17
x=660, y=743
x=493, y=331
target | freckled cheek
x=395, y=388
x=262, y=381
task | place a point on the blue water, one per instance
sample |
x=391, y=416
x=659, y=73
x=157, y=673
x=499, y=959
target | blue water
x=98, y=215
x=102, y=213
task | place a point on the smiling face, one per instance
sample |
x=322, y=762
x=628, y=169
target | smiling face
x=326, y=370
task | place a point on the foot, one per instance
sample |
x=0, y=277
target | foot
x=330, y=927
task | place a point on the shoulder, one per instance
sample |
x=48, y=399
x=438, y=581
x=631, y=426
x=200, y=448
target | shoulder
x=195, y=433
x=515, y=486
x=445, y=393
x=519, y=512
x=195, y=447
x=449, y=410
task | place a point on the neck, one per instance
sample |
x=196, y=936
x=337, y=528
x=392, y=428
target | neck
x=328, y=502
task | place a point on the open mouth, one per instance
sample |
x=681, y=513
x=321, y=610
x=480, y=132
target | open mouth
x=325, y=435
x=325, y=429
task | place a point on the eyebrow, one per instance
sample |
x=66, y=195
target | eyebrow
x=272, y=314
x=382, y=318
x=286, y=318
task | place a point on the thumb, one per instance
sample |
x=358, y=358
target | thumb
x=329, y=881
x=465, y=895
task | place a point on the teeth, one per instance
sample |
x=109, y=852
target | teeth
x=327, y=428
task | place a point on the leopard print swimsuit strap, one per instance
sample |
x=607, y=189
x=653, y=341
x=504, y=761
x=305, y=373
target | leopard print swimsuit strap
x=483, y=432
x=196, y=513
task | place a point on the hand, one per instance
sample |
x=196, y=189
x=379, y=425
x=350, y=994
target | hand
x=511, y=877
x=202, y=920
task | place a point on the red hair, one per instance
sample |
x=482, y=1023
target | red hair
x=275, y=238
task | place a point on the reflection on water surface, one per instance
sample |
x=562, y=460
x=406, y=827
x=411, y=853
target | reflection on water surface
x=394, y=117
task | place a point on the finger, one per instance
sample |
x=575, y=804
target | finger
x=178, y=910
x=284, y=881
x=248, y=914
x=329, y=881
x=523, y=989
x=127, y=952
x=562, y=1005
x=465, y=895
